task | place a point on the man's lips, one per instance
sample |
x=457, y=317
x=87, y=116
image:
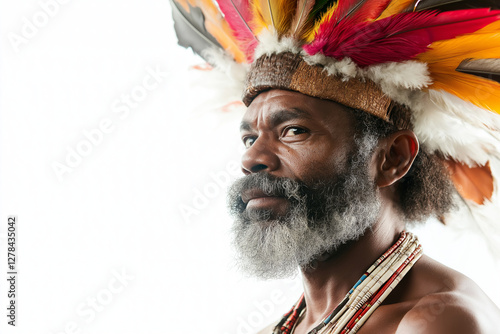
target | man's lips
x=258, y=198
x=248, y=195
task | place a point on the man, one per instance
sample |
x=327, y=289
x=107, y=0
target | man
x=291, y=138
x=363, y=117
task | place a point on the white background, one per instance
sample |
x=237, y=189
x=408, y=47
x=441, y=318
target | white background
x=146, y=201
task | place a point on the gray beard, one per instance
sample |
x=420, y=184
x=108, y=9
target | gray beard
x=322, y=215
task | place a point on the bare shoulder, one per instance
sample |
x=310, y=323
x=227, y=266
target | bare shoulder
x=447, y=302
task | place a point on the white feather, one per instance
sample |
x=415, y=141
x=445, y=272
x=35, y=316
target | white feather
x=271, y=44
x=234, y=71
x=344, y=68
x=407, y=75
x=439, y=130
x=465, y=110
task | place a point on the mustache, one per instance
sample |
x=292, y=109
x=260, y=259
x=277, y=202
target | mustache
x=293, y=190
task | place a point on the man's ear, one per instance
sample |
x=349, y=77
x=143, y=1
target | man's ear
x=396, y=155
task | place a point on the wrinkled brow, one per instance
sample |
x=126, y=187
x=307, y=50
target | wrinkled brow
x=279, y=117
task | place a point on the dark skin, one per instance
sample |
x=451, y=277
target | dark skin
x=288, y=134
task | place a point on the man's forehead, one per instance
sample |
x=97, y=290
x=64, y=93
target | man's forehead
x=276, y=104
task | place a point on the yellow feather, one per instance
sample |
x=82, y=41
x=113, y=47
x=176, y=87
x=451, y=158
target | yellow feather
x=261, y=15
x=490, y=28
x=452, y=52
x=445, y=56
x=454, y=56
x=482, y=92
x=396, y=7
x=309, y=35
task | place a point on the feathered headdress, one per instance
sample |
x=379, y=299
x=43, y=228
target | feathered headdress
x=439, y=58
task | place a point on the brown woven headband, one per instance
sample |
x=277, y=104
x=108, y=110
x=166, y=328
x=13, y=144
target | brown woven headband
x=289, y=71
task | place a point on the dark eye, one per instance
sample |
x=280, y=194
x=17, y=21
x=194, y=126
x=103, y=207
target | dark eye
x=248, y=141
x=293, y=131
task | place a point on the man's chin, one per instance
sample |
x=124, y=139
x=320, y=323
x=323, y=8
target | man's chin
x=265, y=224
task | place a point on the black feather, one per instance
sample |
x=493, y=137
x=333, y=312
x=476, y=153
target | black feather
x=448, y=5
x=320, y=7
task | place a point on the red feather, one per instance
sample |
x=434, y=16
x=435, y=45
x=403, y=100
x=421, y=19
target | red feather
x=345, y=9
x=359, y=10
x=238, y=15
x=370, y=10
x=396, y=38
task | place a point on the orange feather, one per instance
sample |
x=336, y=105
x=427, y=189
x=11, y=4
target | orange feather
x=482, y=44
x=261, y=15
x=444, y=57
x=217, y=26
x=396, y=7
x=275, y=15
x=223, y=34
x=472, y=183
x=488, y=35
x=482, y=92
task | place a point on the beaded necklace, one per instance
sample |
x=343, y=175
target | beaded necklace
x=366, y=295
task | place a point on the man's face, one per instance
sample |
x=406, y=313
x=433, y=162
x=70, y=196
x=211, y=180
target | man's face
x=307, y=187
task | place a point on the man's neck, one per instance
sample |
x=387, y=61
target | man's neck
x=330, y=279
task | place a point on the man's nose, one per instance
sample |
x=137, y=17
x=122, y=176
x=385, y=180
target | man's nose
x=259, y=157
